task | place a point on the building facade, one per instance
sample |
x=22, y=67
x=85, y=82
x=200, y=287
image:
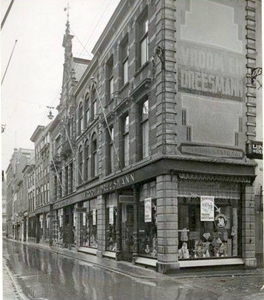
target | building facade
x=148, y=160
x=16, y=206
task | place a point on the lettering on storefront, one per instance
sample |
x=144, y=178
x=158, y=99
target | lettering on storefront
x=211, y=151
x=103, y=188
x=210, y=72
x=111, y=185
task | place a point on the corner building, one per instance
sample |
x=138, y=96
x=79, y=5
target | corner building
x=162, y=116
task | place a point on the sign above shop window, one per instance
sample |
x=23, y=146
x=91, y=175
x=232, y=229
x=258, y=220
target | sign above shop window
x=148, y=210
x=207, y=208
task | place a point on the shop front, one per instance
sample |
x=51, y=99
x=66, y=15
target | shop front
x=88, y=224
x=209, y=219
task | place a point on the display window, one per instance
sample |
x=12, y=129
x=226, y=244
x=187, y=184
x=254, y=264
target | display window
x=57, y=225
x=209, y=230
x=147, y=221
x=89, y=225
x=111, y=213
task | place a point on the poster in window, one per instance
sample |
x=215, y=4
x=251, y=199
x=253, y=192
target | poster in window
x=207, y=208
x=111, y=215
x=148, y=215
x=84, y=219
x=94, y=216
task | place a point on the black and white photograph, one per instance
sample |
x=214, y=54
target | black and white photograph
x=132, y=150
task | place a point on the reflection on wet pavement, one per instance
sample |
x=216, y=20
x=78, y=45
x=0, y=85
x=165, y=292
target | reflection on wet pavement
x=43, y=274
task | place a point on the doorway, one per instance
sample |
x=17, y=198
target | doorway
x=127, y=227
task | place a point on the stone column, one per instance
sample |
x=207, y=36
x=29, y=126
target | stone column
x=118, y=228
x=100, y=225
x=135, y=229
x=248, y=227
x=51, y=225
x=167, y=223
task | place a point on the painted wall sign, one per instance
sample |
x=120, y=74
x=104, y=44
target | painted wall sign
x=207, y=208
x=211, y=151
x=209, y=71
x=148, y=210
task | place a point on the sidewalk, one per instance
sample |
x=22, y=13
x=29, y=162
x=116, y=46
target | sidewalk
x=140, y=271
x=11, y=290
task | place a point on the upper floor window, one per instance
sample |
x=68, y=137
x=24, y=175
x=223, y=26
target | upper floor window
x=94, y=156
x=110, y=78
x=80, y=165
x=94, y=107
x=80, y=118
x=110, y=150
x=126, y=141
x=87, y=110
x=86, y=162
x=145, y=128
x=143, y=40
x=124, y=60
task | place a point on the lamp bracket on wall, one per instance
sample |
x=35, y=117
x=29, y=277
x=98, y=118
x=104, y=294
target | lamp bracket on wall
x=255, y=72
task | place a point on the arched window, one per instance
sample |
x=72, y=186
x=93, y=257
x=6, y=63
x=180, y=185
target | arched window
x=94, y=156
x=93, y=104
x=87, y=110
x=80, y=165
x=86, y=162
x=80, y=118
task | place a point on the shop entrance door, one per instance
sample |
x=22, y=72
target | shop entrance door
x=127, y=231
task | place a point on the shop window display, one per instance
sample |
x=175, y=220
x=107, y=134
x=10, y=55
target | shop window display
x=209, y=239
x=89, y=225
x=111, y=213
x=148, y=221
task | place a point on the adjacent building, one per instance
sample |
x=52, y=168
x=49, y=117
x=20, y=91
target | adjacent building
x=148, y=152
x=16, y=206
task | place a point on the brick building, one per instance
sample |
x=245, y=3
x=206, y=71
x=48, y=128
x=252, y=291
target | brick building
x=148, y=160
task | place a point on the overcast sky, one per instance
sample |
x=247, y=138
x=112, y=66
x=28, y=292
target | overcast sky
x=34, y=77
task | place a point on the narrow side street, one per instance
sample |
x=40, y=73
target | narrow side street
x=40, y=273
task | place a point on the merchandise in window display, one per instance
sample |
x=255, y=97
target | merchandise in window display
x=213, y=244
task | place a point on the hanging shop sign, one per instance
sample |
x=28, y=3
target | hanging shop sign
x=111, y=215
x=207, y=208
x=94, y=216
x=254, y=150
x=148, y=211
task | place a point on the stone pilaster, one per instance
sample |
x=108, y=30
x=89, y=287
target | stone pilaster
x=135, y=229
x=165, y=66
x=248, y=227
x=118, y=228
x=100, y=225
x=167, y=223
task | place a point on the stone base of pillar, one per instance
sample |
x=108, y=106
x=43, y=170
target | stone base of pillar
x=99, y=253
x=134, y=258
x=118, y=256
x=167, y=267
x=250, y=263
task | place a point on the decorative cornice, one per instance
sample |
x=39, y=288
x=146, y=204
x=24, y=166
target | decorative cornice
x=211, y=177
